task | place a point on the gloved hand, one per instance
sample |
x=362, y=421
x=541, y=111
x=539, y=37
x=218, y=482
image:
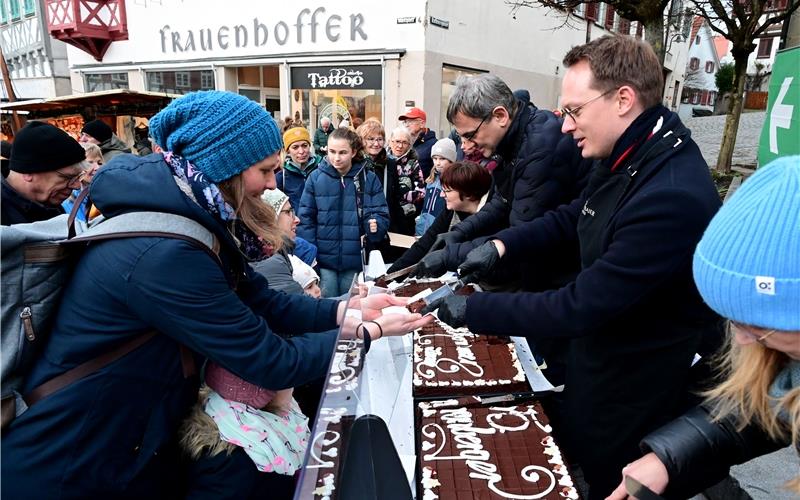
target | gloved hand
x=448, y=238
x=452, y=310
x=480, y=261
x=432, y=265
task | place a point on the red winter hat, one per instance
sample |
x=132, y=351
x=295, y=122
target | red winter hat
x=413, y=114
x=232, y=388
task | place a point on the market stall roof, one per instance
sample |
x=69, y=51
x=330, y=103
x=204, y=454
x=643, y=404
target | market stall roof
x=105, y=102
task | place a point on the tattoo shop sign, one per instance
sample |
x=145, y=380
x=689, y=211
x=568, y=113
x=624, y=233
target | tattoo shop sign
x=336, y=77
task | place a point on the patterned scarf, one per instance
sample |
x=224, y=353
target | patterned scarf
x=786, y=380
x=194, y=184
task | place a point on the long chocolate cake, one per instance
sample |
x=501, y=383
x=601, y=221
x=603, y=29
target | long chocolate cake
x=470, y=450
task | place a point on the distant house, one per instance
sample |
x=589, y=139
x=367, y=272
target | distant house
x=700, y=89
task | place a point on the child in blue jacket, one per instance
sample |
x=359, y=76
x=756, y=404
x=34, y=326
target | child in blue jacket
x=342, y=208
x=443, y=154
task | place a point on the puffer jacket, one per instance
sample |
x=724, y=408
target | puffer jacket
x=698, y=452
x=541, y=169
x=113, y=147
x=292, y=178
x=329, y=214
x=109, y=434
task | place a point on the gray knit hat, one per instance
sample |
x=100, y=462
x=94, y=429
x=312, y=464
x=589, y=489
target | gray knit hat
x=275, y=198
x=445, y=148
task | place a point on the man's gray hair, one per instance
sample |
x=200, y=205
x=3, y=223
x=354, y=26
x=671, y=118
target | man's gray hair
x=476, y=96
x=323, y=120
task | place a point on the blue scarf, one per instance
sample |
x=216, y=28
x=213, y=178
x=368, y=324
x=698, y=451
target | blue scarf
x=786, y=380
x=194, y=184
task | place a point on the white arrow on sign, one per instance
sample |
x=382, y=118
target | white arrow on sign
x=781, y=115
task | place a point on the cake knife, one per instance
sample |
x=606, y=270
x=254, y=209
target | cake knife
x=640, y=491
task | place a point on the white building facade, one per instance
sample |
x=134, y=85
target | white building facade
x=700, y=88
x=347, y=60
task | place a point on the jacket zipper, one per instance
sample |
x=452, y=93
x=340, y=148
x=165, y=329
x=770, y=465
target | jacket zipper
x=27, y=323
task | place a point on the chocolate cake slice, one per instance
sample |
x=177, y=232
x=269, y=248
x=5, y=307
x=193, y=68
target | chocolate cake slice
x=471, y=450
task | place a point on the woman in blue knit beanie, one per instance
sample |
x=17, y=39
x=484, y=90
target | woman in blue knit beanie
x=747, y=268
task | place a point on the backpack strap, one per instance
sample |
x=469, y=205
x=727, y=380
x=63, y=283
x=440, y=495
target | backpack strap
x=130, y=225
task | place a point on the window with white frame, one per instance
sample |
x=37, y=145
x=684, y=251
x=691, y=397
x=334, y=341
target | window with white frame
x=182, y=79
x=694, y=63
x=206, y=80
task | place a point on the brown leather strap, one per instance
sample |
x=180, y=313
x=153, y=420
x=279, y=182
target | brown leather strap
x=84, y=369
x=74, y=212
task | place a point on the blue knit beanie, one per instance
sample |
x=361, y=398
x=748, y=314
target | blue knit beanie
x=220, y=133
x=747, y=265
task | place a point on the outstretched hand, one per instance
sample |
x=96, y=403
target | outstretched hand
x=444, y=239
x=432, y=265
x=400, y=324
x=648, y=470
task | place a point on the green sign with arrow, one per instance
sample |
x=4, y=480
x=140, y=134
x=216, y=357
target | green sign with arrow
x=781, y=133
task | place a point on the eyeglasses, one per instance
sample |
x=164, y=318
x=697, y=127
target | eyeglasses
x=470, y=136
x=574, y=113
x=288, y=211
x=70, y=178
x=374, y=140
x=400, y=143
x=748, y=331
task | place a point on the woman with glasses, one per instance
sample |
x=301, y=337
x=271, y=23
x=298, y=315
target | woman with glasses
x=411, y=183
x=465, y=186
x=747, y=268
x=278, y=268
x=376, y=158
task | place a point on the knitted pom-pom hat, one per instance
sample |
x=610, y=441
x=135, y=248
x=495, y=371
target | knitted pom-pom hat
x=747, y=265
x=220, y=133
x=275, y=198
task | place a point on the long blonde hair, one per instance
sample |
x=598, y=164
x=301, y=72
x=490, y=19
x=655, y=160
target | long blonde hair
x=747, y=372
x=254, y=213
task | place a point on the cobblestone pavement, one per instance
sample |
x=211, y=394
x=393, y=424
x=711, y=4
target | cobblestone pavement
x=707, y=133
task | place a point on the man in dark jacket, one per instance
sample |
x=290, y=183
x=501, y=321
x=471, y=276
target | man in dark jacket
x=321, y=136
x=45, y=167
x=422, y=138
x=633, y=313
x=540, y=168
x=97, y=132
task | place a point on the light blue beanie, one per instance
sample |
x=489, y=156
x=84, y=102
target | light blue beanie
x=747, y=265
x=220, y=133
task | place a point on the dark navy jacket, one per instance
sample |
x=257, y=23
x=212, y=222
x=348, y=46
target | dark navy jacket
x=329, y=215
x=292, y=179
x=107, y=435
x=541, y=169
x=423, y=146
x=634, y=314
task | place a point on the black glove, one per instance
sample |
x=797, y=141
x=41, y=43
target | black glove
x=448, y=238
x=452, y=310
x=480, y=261
x=432, y=265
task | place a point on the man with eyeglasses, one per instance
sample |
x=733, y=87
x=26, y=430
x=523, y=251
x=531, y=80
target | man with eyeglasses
x=633, y=316
x=45, y=166
x=539, y=168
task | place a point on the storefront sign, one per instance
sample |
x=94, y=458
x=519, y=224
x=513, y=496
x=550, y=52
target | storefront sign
x=336, y=77
x=406, y=20
x=440, y=22
x=307, y=27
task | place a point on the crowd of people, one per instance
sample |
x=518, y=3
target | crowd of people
x=595, y=232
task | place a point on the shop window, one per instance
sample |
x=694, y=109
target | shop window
x=3, y=12
x=449, y=76
x=179, y=82
x=764, y=48
x=350, y=94
x=182, y=79
x=106, y=81
x=207, y=80
x=29, y=7
x=694, y=63
x=709, y=66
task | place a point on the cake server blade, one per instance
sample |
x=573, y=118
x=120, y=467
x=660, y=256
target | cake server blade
x=638, y=490
x=402, y=272
x=439, y=293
